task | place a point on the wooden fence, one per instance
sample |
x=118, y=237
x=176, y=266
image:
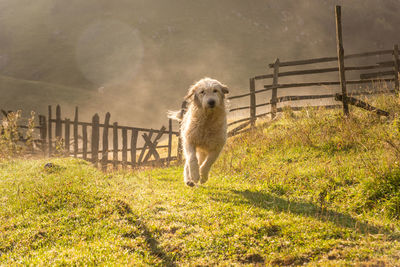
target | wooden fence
x=386, y=71
x=106, y=144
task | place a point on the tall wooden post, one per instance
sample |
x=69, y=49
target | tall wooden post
x=169, y=141
x=134, y=138
x=124, y=147
x=115, y=145
x=95, y=139
x=76, y=133
x=67, y=136
x=49, y=132
x=340, y=54
x=274, y=94
x=104, y=154
x=396, y=68
x=58, y=123
x=179, y=152
x=43, y=133
x=252, y=102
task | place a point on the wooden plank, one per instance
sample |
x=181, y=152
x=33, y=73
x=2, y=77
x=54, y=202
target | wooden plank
x=396, y=67
x=95, y=139
x=238, y=128
x=316, y=106
x=76, y=141
x=104, y=156
x=43, y=133
x=309, y=84
x=241, y=108
x=368, y=54
x=361, y=104
x=115, y=144
x=58, y=122
x=374, y=75
x=253, y=102
x=241, y=120
x=124, y=147
x=67, y=137
x=238, y=96
x=274, y=89
x=169, y=141
x=142, y=153
x=152, y=147
x=340, y=54
x=134, y=138
x=121, y=127
x=303, y=97
x=84, y=142
x=305, y=61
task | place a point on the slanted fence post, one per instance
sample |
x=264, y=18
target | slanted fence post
x=43, y=132
x=252, y=102
x=95, y=139
x=104, y=156
x=396, y=68
x=274, y=94
x=67, y=136
x=76, y=143
x=49, y=129
x=340, y=54
x=115, y=144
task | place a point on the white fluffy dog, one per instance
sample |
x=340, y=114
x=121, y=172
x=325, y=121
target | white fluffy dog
x=203, y=128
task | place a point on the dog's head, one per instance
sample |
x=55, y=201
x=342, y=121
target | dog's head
x=207, y=93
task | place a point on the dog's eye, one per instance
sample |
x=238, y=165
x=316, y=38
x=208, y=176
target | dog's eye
x=202, y=92
x=215, y=90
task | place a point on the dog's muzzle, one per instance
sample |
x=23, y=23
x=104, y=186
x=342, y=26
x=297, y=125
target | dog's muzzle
x=211, y=103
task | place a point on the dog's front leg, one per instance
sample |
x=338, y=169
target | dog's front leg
x=206, y=166
x=191, y=166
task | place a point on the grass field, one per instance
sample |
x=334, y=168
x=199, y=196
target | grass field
x=310, y=188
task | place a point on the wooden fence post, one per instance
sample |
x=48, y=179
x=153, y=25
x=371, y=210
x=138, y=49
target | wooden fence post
x=134, y=138
x=115, y=144
x=84, y=142
x=49, y=131
x=340, y=54
x=169, y=142
x=76, y=133
x=67, y=136
x=124, y=147
x=396, y=68
x=179, y=152
x=274, y=94
x=104, y=156
x=43, y=132
x=95, y=139
x=252, y=102
x=58, y=122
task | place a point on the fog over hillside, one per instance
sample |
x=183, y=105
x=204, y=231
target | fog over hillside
x=137, y=58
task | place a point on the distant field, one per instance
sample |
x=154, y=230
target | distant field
x=311, y=188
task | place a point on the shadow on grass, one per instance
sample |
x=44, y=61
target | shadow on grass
x=270, y=202
x=125, y=210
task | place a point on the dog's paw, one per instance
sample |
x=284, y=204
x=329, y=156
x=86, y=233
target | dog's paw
x=190, y=183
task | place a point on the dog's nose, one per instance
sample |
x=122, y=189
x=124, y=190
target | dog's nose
x=211, y=103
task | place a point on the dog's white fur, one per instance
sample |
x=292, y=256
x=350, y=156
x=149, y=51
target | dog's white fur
x=203, y=128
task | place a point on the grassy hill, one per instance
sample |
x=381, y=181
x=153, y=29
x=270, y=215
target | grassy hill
x=310, y=188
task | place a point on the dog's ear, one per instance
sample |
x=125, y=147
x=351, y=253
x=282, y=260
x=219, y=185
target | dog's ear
x=225, y=89
x=191, y=92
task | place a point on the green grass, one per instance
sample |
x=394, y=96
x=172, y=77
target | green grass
x=311, y=188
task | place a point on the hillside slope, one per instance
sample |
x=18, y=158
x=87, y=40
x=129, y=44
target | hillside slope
x=310, y=188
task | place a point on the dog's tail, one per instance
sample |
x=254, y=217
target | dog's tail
x=175, y=115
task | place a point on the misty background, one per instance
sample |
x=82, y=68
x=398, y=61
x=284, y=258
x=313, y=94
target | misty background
x=137, y=58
